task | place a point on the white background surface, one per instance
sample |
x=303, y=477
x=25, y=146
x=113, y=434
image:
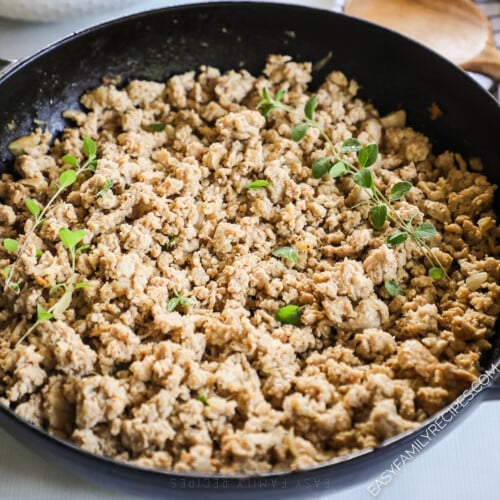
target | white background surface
x=462, y=465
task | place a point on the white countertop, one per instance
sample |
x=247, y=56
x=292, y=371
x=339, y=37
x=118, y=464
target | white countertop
x=462, y=465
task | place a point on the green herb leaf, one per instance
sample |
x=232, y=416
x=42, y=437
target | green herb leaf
x=53, y=289
x=265, y=109
x=10, y=245
x=33, y=207
x=178, y=300
x=6, y=272
x=14, y=286
x=368, y=155
x=70, y=160
x=82, y=249
x=71, y=238
x=289, y=314
x=186, y=301
x=203, y=398
x=279, y=95
x=173, y=303
x=67, y=178
x=436, y=273
x=299, y=131
x=395, y=239
x=81, y=284
x=105, y=188
x=320, y=167
x=89, y=148
x=156, y=127
x=287, y=253
x=266, y=105
x=38, y=253
x=399, y=190
x=378, y=216
x=338, y=170
x=92, y=166
x=171, y=242
x=393, y=289
x=261, y=183
x=42, y=314
x=350, y=146
x=363, y=178
x=310, y=107
x=425, y=231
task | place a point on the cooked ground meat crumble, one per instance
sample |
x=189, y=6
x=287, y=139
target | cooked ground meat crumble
x=220, y=385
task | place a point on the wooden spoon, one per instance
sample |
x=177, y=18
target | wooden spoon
x=457, y=29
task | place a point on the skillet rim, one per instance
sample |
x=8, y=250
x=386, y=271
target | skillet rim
x=392, y=442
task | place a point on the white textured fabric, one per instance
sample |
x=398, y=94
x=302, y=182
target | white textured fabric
x=55, y=10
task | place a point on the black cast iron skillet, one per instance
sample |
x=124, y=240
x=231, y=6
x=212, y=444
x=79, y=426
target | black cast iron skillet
x=394, y=72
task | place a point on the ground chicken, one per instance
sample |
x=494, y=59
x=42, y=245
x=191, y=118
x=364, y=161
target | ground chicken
x=165, y=349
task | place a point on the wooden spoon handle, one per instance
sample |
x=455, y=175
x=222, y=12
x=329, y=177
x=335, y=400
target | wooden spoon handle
x=487, y=62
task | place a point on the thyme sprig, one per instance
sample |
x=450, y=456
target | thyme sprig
x=339, y=164
x=66, y=179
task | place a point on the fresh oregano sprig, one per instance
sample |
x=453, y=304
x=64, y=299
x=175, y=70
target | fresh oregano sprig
x=41, y=316
x=179, y=300
x=289, y=314
x=291, y=254
x=156, y=127
x=338, y=165
x=203, y=398
x=66, y=179
x=70, y=239
x=393, y=289
x=108, y=184
x=258, y=184
x=171, y=242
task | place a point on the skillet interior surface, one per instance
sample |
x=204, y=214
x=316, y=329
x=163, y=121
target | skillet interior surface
x=393, y=71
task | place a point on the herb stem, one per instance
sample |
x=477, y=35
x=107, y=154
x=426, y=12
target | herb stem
x=28, y=331
x=70, y=240
x=39, y=219
x=377, y=198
